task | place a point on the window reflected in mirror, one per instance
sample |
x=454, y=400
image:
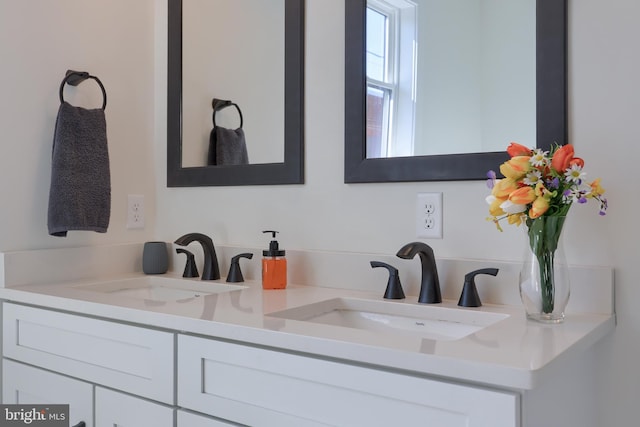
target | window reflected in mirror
x=449, y=76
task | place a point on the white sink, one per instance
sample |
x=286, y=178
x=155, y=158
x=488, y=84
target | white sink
x=426, y=321
x=158, y=288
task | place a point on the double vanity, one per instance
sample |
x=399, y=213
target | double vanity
x=123, y=348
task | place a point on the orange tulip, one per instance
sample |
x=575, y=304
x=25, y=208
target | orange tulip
x=576, y=161
x=539, y=207
x=503, y=187
x=523, y=196
x=563, y=158
x=516, y=168
x=514, y=149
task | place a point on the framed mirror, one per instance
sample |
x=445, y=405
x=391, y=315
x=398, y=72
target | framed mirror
x=285, y=142
x=548, y=111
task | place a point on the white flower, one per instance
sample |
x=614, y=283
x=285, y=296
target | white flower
x=539, y=158
x=574, y=174
x=512, y=208
x=532, y=177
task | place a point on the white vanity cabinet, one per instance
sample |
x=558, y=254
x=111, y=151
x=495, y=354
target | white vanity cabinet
x=22, y=384
x=125, y=375
x=190, y=419
x=86, y=353
x=125, y=357
x=257, y=386
x=117, y=409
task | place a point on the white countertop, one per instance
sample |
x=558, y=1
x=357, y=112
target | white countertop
x=512, y=353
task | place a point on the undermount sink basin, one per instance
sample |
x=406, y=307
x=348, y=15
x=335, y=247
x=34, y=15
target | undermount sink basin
x=426, y=321
x=158, y=288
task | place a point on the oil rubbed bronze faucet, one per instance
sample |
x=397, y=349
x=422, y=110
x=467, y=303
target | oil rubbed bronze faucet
x=430, y=286
x=210, y=270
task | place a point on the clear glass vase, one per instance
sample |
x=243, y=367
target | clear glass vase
x=544, y=278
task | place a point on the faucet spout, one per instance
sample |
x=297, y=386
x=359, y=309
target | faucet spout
x=430, y=285
x=210, y=271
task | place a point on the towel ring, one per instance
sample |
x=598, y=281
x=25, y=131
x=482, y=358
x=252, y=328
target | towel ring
x=219, y=104
x=74, y=78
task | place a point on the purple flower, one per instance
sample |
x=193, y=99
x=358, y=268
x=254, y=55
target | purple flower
x=492, y=179
x=582, y=199
x=567, y=192
x=554, y=183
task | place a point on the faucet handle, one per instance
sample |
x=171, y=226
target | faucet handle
x=235, y=274
x=394, y=287
x=469, y=296
x=190, y=269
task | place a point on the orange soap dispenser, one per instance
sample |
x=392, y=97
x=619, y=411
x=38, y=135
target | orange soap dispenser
x=274, y=265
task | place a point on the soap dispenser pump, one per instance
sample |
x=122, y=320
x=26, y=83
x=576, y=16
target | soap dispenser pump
x=274, y=265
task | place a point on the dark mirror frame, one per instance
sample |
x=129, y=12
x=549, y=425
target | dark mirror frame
x=551, y=106
x=291, y=171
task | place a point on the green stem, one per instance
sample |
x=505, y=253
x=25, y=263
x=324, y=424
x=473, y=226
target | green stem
x=545, y=264
x=544, y=234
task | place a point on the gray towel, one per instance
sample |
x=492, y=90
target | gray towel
x=227, y=147
x=80, y=193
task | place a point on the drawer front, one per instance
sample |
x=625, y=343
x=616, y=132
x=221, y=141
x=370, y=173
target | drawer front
x=258, y=387
x=138, y=360
x=188, y=419
x=22, y=384
x=115, y=409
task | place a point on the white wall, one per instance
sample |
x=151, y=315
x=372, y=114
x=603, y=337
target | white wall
x=39, y=41
x=324, y=213
x=604, y=111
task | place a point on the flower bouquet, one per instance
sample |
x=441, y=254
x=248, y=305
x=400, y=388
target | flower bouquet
x=538, y=189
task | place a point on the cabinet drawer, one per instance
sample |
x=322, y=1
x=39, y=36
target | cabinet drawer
x=258, y=387
x=22, y=384
x=138, y=360
x=115, y=409
x=187, y=419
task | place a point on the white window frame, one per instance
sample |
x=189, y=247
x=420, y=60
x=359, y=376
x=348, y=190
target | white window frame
x=400, y=76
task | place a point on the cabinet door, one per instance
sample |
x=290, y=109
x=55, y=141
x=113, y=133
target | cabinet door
x=257, y=387
x=22, y=384
x=188, y=419
x=123, y=410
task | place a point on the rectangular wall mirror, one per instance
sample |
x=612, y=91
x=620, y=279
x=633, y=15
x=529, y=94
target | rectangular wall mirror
x=436, y=89
x=250, y=52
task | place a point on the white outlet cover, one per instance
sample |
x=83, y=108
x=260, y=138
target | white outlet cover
x=429, y=215
x=135, y=211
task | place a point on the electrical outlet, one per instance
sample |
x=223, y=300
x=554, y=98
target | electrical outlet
x=429, y=208
x=429, y=215
x=135, y=211
x=429, y=223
